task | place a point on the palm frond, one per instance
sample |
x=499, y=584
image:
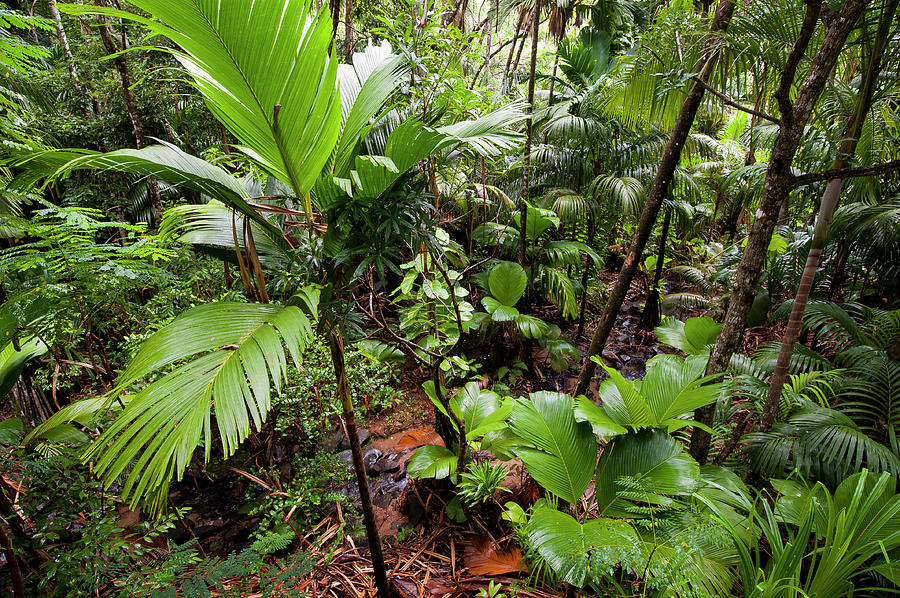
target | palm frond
x=820, y=442
x=234, y=353
x=265, y=73
x=559, y=289
x=625, y=194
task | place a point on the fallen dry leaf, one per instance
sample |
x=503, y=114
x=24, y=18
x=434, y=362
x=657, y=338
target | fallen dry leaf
x=482, y=558
x=416, y=438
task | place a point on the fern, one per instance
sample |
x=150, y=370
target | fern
x=272, y=541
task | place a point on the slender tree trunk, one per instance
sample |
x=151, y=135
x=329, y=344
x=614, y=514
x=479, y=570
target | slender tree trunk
x=778, y=182
x=70, y=60
x=515, y=64
x=529, y=133
x=336, y=344
x=334, y=7
x=487, y=51
x=829, y=202
x=12, y=561
x=670, y=158
x=650, y=315
x=512, y=51
x=137, y=122
x=348, y=28
x=553, y=80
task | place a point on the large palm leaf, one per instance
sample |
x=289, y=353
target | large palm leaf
x=567, y=545
x=165, y=162
x=220, y=360
x=563, y=452
x=265, y=72
x=645, y=467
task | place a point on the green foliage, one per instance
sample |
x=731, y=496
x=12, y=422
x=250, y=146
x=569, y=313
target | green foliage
x=308, y=400
x=432, y=461
x=243, y=83
x=298, y=503
x=480, y=481
x=432, y=318
x=506, y=283
x=561, y=452
x=638, y=471
x=233, y=576
x=831, y=540
x=547, y=256
x=69, y=514
x=818, y=441
x=671, y=389
x=482, y=412
x=692, y=337
x=236, y=349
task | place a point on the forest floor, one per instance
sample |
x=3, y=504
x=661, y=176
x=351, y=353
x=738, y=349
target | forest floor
x=427, y=553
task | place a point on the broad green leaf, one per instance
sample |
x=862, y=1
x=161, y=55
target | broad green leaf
x=693, y=337
x=85, y=412
x=506, y=283
x=212, y=227
x=498, y=311
x=563, y=452
x=365, y=87
x=428, y=387
x=264, y=69
x=491, y=134
x=379, y=351
x=164, y=162
x=673, y=387
x=432, y=461
x=601, y=423
x=531, y=326
x=566, y=545
x=11, y=431
x=537, y=222
x=643, y=467
x=482, y=411
x=12, y=362
x=64, y=434
x=622, y=401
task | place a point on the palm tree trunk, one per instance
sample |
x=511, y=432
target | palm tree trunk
x=778, y=182
x=830, y=199
x=529, y=133
x=665, y=174
x=650, y=315
x=137, y=122
x=336, y=344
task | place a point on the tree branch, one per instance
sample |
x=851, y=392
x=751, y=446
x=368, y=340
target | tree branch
x=845, y=173
x=734, y=104
x=783, y=93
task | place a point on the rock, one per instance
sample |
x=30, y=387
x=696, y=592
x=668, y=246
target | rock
x=361, y=433
x=347, y=457
x=386, y=490
x=386, y=464
x=331, y=441
x=370, y=459
x=415, y=509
